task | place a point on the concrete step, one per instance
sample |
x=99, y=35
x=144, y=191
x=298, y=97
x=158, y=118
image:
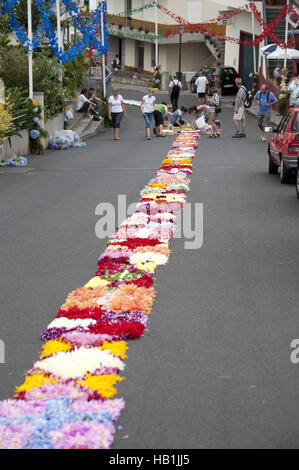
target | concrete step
x=81, y=126
x=93, y=128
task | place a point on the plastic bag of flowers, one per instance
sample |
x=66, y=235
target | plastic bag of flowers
x=14, y=161
x=59, y=143
x=78, y=141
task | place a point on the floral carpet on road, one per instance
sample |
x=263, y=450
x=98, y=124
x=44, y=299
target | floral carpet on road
x=66, y=400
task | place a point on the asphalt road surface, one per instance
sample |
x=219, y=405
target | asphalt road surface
x=214, y=369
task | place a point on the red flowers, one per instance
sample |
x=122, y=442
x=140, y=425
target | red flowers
x=75, y=313
x=125, y=329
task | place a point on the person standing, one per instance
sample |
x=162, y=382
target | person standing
x=293, y=90
x=239, y=114
x=277, y=73
x=116, y=64
x=160, y=112
x=218, y=78
x=116, y=111
x=265, y=99
x=201, y=84
x=147, y=108
x=175, y=87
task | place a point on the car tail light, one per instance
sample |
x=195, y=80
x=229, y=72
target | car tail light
x=293, y=148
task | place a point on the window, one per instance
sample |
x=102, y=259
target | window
x=295, y=123
x=284, y=123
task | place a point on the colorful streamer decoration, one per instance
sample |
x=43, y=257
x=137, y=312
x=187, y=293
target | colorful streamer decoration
x=88, y=31
x=67, y=399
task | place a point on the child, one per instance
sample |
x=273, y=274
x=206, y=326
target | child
x=213, y=107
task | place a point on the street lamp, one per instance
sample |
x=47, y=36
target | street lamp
x=181, y=30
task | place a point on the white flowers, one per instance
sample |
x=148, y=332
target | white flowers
x=71, y=324
x=76, y=363
x=140, y=258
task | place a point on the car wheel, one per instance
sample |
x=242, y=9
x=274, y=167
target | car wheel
x=285, y=174
x=192, y=88
x=297, y=183
x=273, y=169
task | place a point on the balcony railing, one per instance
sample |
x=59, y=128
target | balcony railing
x=149, y=27
x=275, y=3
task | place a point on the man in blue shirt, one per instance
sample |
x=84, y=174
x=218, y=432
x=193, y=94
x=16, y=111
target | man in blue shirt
x=265, y=99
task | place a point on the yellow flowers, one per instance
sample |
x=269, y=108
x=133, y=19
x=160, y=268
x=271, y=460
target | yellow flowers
x=103, y=384
x=54, y=346
x=96, y=282
x=5, y=120
x=118, y=348
x=35, y=380
x=150, y=266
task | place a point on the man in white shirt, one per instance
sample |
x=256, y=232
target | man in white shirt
x=201, y=84
x=84, y=105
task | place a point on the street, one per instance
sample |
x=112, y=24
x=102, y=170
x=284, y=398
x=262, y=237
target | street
x=214, y=369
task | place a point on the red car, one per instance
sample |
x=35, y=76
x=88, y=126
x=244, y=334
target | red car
x=283, y=147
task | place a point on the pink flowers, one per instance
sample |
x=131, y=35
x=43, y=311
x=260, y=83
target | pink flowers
x=88, y=435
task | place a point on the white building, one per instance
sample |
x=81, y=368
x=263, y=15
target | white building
x=197, y=49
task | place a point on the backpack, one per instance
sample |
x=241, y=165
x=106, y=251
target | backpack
x=248, y=98
x=259, y=93
x=175, y=89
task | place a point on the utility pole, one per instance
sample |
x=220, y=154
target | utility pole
x=30, y=52
x=156, y=34
x=286, y=35
x=60, y=44
x=103, y=56
x=253, y=39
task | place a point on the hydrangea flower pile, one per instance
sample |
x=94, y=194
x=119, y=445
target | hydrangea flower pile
x=66, y=399
x=63, y=143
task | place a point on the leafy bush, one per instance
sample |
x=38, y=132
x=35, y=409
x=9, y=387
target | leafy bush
x=46, y=72
x=282, y=106
x=5, y=120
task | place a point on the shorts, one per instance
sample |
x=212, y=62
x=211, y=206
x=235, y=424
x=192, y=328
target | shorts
x=240, y=114
x=201, y=95
x=84, y=107
x=264, y=118
x=159, y=120
x=116, y=119
x=212, y=116
x=218, y=83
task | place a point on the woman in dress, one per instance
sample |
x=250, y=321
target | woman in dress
x=147, y=108
x=116, y=111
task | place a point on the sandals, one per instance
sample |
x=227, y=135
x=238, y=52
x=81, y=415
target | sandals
x=212, y=136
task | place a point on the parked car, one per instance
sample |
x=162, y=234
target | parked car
x=228, y=82
x=283, y=148
x=297, y=179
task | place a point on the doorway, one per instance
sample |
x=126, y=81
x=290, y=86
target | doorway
x=246, y=59
x=140, y=57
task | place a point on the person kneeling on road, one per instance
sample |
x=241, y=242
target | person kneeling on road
x=265, y=99
x=177, y=120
